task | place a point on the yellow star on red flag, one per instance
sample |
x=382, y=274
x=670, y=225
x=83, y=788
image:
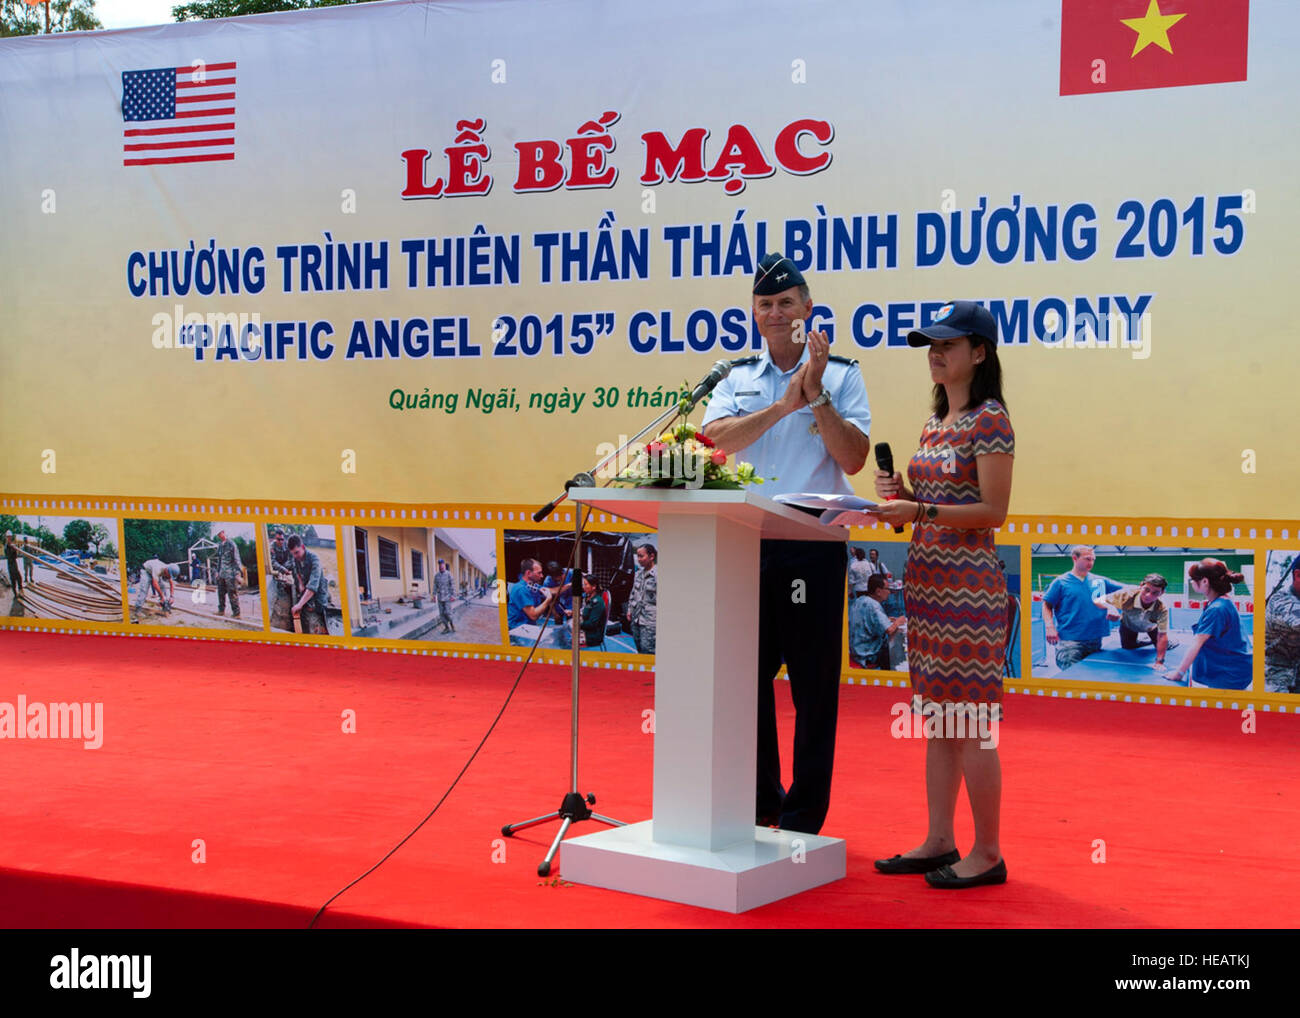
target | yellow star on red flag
x=1152, y=28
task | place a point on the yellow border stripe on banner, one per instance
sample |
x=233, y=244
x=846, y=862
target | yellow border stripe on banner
x=1258, y=536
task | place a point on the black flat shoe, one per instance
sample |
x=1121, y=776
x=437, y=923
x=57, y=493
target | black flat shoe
x=945, y=877
x=901, y=864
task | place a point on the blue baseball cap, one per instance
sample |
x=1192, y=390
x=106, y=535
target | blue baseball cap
x=957, y=318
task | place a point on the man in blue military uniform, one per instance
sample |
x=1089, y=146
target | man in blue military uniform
x=800, y=416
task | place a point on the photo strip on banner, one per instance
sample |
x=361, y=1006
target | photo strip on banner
x=1282, y=622
x=428, y=584
x=876, y=612
x=193, y=574
x=620, y=592
x=477, y=581
x=302, y=570
x=1166, y=617
x=61, y=567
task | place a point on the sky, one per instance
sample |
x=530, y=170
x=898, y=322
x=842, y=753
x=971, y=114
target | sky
x=479, y=545
x=132, y=13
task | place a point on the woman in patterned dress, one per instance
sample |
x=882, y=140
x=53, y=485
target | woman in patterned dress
x=954, y=591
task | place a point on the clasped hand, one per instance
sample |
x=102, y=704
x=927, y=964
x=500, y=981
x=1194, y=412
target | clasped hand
x=806, y=385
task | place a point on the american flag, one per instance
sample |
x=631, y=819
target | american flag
x=171, y=118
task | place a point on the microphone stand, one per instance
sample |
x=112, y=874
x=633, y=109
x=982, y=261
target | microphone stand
x=576, y=807
x=586, y=478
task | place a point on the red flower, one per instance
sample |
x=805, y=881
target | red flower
x=719, y=457
x=704, y=439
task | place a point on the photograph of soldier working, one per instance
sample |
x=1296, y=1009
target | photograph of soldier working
x=193, y=574
x=302, y=565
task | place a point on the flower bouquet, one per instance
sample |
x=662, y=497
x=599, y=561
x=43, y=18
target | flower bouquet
x=684, y=457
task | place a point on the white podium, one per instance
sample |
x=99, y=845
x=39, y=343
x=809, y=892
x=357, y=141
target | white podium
x=702, y=847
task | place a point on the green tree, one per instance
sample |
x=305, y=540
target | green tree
x=77, y=534
x=18, y=18
x=49, y=540
x=203, y=10
x=169, y=540
x=99, y=537
x=248, y=556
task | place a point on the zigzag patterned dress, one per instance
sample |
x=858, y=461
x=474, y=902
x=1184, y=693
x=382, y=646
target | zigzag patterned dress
x=954, y=594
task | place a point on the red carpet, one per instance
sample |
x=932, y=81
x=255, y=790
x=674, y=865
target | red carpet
x=241, y=746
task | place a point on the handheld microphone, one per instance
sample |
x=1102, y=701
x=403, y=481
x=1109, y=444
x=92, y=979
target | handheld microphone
x=709, y=382
x=885, y=462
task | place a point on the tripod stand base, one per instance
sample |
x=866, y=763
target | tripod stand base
x=771, y=865
x=573, y=809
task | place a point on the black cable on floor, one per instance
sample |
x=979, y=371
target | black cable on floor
x=573, y=564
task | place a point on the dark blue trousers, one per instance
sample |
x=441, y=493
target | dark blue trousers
x=800, y=622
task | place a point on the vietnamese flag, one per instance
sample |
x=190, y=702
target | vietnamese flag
x=1121, y=45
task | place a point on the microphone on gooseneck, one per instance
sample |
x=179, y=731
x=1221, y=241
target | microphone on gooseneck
x=709, y=382
x=885, y=462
